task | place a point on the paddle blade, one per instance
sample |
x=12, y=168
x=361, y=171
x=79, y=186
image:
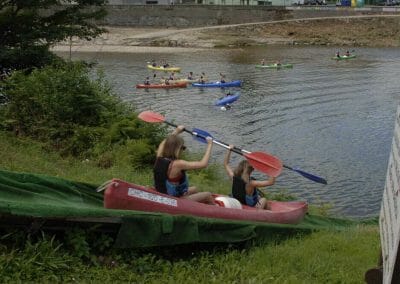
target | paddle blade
x=266, y=163
x=201, y=135
x=309, y=176
x=150, y=116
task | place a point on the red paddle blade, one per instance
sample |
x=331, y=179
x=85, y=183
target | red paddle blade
x=263, y=162
x=150, y=116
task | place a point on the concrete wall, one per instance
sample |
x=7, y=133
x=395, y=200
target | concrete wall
x=184, y=16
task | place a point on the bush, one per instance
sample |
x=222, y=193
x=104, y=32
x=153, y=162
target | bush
x=61, y=106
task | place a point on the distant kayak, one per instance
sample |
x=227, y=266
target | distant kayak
x=162, y=86
x=227, y=100
x=186, y=80
x=166, y=69
x=275, y=66
x=344, y=57
x=218, y=84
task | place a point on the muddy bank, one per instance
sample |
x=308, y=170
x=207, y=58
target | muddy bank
x=377, y=31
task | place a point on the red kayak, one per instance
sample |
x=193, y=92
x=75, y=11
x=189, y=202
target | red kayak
x=162, y=86
x=123, y=195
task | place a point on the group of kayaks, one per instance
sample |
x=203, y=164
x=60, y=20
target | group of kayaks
x=182, y=83
x=279, y=65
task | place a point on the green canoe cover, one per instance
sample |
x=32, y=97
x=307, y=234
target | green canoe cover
x=40, y=196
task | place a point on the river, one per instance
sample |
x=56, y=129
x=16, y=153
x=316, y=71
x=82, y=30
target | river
x=334, y=119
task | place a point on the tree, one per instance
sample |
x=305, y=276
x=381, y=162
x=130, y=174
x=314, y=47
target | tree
x=29, y=27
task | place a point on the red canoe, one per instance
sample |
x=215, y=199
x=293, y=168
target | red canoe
x=123, y=195
x=162, y=86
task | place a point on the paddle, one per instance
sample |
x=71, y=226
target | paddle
x=303, y=173
x=261, y=161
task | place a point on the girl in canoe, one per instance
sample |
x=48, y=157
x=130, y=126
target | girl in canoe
x=170, y=171
x=244, y=188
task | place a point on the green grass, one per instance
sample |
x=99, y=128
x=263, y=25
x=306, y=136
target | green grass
x=319, y=257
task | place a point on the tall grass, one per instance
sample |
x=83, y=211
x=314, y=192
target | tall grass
x=319, y=257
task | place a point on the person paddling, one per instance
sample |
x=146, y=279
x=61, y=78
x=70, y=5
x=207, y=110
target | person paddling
x=244, y=188
x=170, y=170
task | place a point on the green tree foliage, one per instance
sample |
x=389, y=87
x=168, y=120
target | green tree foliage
x=29, y=27
x=62, y=107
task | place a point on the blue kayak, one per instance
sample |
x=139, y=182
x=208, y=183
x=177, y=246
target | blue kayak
x=227, y=100
x=236, y=83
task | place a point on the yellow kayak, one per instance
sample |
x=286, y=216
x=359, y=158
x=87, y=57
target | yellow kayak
x=167, y=69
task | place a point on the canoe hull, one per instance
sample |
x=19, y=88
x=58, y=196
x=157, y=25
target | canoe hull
x=227, y=100
x=162, y=86
x=236, y=83
x=128, y=196
x=167, y=69
x=275, y=66
x=344, y=57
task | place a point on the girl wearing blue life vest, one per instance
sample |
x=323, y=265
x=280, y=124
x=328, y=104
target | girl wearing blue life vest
x=244, y=188
x=170, y=171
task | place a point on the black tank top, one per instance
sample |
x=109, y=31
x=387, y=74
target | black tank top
x=239, y=189
x=160, y=173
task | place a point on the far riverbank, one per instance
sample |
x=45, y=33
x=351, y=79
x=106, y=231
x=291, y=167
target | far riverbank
x=357, y=31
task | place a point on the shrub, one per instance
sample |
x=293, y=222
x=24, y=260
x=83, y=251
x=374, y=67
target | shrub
x=63, y=107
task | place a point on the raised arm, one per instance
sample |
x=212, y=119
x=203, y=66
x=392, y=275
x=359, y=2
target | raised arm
x=228, y=169
x=193, y=165
x=263, y=183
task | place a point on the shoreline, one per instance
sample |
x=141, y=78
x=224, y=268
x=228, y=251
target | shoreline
x=123, y=49
x=348, y=32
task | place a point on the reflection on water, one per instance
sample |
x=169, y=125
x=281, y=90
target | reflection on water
x=334, y=119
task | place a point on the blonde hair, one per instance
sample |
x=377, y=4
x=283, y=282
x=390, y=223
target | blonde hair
x=243, y=170
x=172, y=146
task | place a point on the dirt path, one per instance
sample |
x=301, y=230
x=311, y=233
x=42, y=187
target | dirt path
x=365, y=30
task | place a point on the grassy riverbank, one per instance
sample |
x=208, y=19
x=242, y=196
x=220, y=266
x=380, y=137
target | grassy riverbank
x=320, y=257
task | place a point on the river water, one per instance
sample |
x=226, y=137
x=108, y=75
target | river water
x=334, y=119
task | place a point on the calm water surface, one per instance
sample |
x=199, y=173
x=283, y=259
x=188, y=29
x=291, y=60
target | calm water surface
x=332, y=119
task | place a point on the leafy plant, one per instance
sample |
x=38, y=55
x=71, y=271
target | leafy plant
x=62, y=106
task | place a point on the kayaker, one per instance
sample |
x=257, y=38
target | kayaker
x=153, y=63
x=147, y=81
x=226, y=107
x=190, y=76
x=244, y=188
x=222, y=79
x=337, y=54
x=278, y=63
x=203, y=78
x=347, y=53
x=263, y=61
x=170, y=171
x=172, y=76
